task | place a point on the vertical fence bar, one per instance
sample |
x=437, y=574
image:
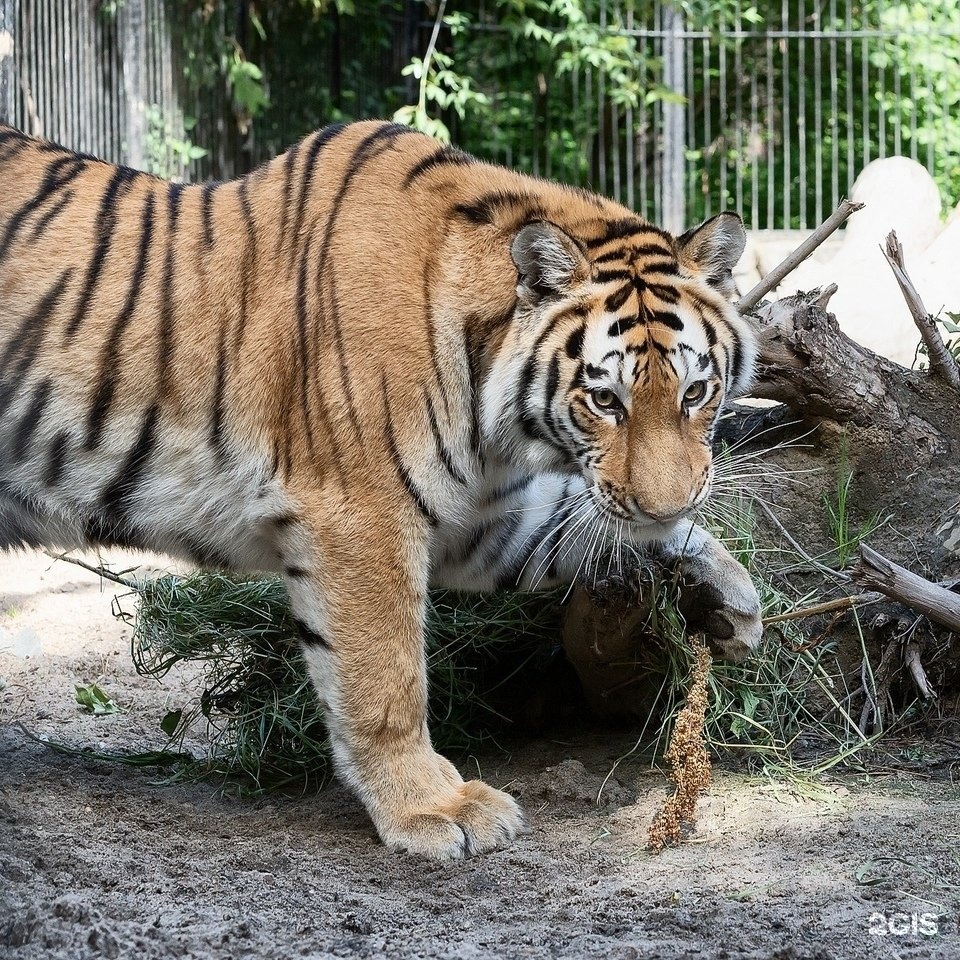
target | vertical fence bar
x=785, y=126
x=8, y=55
x=802, y=122
x=630, y=133
x=834, y=122
x=723, y=121
x=738, y=172
x=673, y=215
x=706, y=162
x=818, y=138
x=771, y=156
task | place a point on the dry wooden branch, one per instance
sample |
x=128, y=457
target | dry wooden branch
x=942, y=363
x=911, y=657
x=836, y=219
x=828, y=606
x=875, y=572
x=99, y=571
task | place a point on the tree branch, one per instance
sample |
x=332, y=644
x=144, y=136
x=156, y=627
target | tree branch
x=942, y=363
x=875, y=572
x=836, y=219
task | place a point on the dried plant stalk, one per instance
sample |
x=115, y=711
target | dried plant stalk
x=689, y=762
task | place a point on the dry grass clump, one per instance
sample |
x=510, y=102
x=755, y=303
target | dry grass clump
x=688, y=759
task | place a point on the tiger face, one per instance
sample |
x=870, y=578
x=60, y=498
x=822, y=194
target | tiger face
x=629, y=347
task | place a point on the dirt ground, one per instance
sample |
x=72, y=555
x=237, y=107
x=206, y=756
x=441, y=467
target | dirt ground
x=101, y=860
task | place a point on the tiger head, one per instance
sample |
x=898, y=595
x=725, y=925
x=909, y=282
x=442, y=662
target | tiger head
x=623, y=349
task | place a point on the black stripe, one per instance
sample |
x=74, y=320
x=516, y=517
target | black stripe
x=219, y=389
x=115, y=499
x=412, y=489
x=206, y=209
x=737, y=358
x=608, y=276
x=106, y=225
x=611, y=256
x=289, y=163
x=96, y=418
x=473, y=367
x=55, y=458
x=665, y=293
x=666, y=267
x=109, y=361
x=651, y=250
x=508, y=490
x=382, y=137
x=550, y=392
x=174, y=200
x=304, y=352
x=248, y=268
x=165, y=338
x=319, y=141
x=558, y=531
x=443, y=451
x=141, y=265
x=28, y=338
x=30, y=420
x=52, y=215
x=492, y=551
x=59, y=173
x=308, y=637
x=296, y=573
x=620, y=230
x=575, y=342
x=435, y=359
x=445, y=156
x=484, y=209
x=667, y=318
x=618, y=298
x=477, y=535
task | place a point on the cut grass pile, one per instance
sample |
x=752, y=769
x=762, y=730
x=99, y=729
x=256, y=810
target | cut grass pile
x=266, y=729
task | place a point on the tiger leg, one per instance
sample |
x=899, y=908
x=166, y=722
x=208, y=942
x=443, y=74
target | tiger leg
x=360, y=608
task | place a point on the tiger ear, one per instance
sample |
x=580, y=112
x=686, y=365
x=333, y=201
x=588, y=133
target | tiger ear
x=548, y=261
x=714, y=248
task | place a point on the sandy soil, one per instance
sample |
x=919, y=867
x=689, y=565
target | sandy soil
x=98, y=860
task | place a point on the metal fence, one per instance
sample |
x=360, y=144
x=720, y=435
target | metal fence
x=774, y=119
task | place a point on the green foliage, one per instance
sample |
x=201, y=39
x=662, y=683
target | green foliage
x=168, y=154
x=847, y=536
x=92, y=699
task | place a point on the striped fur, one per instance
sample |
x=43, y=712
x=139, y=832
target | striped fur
x=374, y=365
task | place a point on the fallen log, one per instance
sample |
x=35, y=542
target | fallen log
x=875, y=572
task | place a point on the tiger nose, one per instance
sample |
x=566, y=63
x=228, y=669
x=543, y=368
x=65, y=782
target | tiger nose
x=662, y=516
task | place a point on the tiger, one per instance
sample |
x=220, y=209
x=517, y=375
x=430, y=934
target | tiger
x=374, y=366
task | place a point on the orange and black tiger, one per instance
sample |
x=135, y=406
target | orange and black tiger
x=374, y=365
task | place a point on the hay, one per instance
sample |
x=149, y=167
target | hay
x=256, y=706
x=689, y=762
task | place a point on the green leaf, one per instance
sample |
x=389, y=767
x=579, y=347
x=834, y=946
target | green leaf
x=170, y=722
x=92, y=699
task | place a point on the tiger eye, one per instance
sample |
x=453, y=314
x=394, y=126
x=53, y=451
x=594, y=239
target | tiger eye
x=695, y=392
x=606, y=399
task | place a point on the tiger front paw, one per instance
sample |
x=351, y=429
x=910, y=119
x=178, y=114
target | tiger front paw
x=476, y=819
x=718, y=597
